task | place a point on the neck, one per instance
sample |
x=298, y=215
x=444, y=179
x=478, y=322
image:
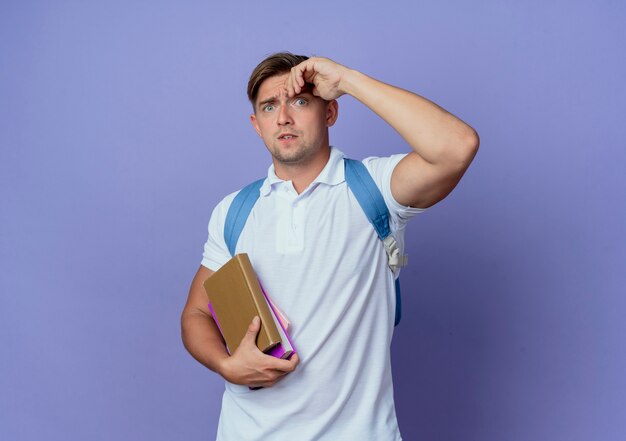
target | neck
x=301, y=175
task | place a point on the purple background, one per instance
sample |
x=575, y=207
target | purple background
x=123, y=123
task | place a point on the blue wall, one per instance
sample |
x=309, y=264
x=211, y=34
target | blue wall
x=123, y=123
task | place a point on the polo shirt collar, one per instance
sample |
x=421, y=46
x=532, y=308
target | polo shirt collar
x=333, y=173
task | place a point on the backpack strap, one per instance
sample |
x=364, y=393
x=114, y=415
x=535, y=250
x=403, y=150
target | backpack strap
x=373, y=204
x=398, y=316
x=367, y=193
x=238, y=213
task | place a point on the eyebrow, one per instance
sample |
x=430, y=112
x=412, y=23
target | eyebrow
x=266, y=101
x=273, y=99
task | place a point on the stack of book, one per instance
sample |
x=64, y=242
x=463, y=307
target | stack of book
x=235, y=297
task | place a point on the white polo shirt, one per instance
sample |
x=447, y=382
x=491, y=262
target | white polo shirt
x=320, y=260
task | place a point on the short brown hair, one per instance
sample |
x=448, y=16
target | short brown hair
x=276, y=64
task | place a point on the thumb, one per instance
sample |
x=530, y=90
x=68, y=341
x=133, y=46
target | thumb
x=253, y=330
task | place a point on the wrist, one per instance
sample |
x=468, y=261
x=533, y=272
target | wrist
x=222, y=367
x=350, y=81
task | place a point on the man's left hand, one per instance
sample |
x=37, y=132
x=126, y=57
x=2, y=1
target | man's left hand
x=325, y=75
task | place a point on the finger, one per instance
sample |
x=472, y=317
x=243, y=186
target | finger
x=288, y=85
x=277, y=375
x=294, y=361
x=260, y=385
x=300, y=73
x=267, y=379
x=294, y=76
x=284, y=365
x=300, y=77
x=308, y=73
x=294, y=82
x=269, y=382
x=301, y=80
x=253, y=330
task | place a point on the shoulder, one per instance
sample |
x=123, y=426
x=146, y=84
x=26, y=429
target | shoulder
x=381, y=169
x=216, y=251
x=382, y=166
x=221, y=209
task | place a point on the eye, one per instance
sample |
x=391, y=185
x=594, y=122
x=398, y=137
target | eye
x=268, y=108
x=300, y=102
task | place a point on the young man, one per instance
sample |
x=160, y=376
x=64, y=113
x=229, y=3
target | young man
x=319, y=258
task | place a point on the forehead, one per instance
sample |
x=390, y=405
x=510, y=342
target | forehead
x=273, y=87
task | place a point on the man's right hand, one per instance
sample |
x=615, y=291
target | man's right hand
x=250, y=367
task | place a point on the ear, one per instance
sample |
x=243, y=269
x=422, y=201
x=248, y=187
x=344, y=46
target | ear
x=255, y=124
x=332, y=112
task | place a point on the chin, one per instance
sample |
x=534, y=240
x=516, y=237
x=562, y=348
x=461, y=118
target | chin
x=290, y=160
x=292, y=156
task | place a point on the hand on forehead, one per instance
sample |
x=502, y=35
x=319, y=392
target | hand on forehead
x=277, y=86
x=307, y=88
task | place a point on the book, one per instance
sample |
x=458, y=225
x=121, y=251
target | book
x=235, y=297
x=280, y=315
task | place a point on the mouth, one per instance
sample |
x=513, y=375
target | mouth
x=287, y=136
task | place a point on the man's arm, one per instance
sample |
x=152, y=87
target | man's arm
x=443, y=145
x=248, y=365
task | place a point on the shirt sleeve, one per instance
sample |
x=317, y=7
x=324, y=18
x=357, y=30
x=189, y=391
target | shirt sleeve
x=381, y=170
x=216, y=252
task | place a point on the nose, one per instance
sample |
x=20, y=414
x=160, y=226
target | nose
x=284, y=116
